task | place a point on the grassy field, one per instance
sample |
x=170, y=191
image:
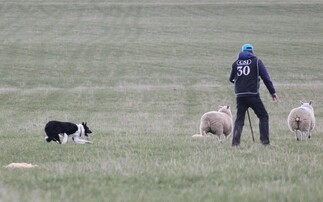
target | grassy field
x=142, y=73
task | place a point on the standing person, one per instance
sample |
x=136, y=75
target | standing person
x=245, y=74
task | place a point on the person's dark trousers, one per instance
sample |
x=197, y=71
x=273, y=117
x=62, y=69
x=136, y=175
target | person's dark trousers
x=255, y=103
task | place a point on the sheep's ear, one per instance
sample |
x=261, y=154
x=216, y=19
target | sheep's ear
x=220, y=106
x=228, y=107
x=301, y=102
x=310, y=102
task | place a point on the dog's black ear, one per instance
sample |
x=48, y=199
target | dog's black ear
x=85, y=123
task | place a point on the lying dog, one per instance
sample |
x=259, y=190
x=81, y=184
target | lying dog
x=55, y=129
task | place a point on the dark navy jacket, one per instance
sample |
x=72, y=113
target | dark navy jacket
x=246, y=73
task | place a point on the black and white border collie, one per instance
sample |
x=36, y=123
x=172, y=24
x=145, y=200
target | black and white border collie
x=55, y=129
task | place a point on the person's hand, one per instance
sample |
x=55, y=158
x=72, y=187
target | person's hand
x=275, y=97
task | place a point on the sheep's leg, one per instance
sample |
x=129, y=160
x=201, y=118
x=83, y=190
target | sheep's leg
x=218, y=131
x=309, y=134
x=225, y=137
x=304, y=135
x=203, y=129
x=217, y=137
x=296, y=135
x=204, y=135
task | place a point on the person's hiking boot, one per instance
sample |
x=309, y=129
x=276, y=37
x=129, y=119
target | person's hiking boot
x=236, y=136
x=265, y=142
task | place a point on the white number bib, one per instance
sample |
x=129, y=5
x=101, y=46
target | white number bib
x=243, y=70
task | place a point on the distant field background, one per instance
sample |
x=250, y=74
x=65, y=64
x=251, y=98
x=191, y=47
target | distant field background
x=142, y=73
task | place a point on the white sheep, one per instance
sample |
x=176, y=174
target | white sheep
x=301, y=120
x=216, y=122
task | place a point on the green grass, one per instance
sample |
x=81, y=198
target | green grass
x=142, y=73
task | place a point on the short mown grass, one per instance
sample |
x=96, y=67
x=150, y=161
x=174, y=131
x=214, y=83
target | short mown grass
x=141, y=74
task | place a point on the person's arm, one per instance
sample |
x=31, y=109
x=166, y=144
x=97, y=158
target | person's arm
x=267, y=81
x=263, y=73
x=231, y=78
